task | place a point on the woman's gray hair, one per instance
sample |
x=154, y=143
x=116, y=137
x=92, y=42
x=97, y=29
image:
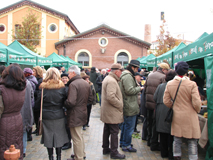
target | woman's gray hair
x=75, y=69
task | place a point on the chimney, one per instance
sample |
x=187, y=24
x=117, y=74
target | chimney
x=147, y=33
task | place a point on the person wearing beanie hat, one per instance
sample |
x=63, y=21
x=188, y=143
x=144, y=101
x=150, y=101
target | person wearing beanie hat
x=151, y=84
x=187, y=105
x=64, y=78
x=38, y=73
x=181, y=68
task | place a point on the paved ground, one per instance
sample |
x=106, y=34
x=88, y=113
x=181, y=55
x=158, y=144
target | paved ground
x=93, y=143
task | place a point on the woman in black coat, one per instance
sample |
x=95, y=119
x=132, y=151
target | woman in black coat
x=164, y=128
x=53, y=118
x=38, y=73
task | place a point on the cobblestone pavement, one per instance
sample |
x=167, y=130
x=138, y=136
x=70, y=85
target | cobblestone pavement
x=93, y=143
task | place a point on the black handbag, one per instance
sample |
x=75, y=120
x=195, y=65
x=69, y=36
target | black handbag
x=169, y=114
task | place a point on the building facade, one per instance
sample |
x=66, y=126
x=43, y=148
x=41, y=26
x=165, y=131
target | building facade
x=101, y=47
x=54, y=25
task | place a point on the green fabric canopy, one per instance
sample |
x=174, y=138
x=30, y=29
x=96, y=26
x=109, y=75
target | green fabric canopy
x=72, y=61
x=9, y=55
x=202, y=36
x=168, y=55
x=40, y=60
x=195, y=51
x=143, y=62
x=209, y=89
x=59, y=61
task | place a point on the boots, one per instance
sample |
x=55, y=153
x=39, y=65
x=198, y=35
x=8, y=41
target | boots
x=50, y=153
x=58, y=153
x=177, y=158
x=29, y=135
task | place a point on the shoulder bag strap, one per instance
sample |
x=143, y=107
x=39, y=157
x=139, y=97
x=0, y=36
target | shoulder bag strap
x=176, y=92
x=41, y=103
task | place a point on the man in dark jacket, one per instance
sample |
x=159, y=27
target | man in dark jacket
x=152, y=82
x=99, y=81
x=79, y=95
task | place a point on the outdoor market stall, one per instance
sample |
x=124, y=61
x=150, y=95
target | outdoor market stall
x=8, y=56
x=40, y=60
x=59, y=61
x=71, y=61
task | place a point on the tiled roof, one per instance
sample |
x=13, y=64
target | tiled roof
x=104, y=28
x=39, y=7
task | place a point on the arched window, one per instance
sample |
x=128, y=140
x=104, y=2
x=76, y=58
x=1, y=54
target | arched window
x=122, y=58
x=83, y=58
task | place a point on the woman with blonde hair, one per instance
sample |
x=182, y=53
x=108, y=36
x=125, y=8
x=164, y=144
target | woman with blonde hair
x=54, y=133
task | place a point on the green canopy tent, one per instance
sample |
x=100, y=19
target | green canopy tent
x=72, y=61
x=9, y=55
x=194, y=54
x=202, y=36
x=209, y=89
x=151, y=63
x=40, y=60
x=140, y=59
x=143, y=61
x=59, y=61
x=168, y=55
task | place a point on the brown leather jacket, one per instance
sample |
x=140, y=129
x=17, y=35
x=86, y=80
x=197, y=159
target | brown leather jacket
x=79, y=95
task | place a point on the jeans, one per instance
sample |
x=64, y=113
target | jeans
x=192, y=148
x=127, y=130
x=24, y=141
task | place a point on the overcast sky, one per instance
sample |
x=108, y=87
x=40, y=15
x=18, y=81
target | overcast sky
x=188, y=17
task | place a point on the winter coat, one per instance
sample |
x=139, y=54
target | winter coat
x=54, y=95
x=79, y=95
x=93, y=93
x=112, y=101
x=99, y=81
x=37, y=91
x=93, y=77
x=11, y=124
x=129, y=90
x=185, y=121
x=161, y=110
x=152, y=82
x=26, y=110
x=33, y=81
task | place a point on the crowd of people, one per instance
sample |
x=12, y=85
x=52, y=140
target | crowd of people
x=64, y=100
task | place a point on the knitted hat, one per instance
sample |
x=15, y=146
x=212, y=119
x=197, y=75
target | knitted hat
x=64, y=75
x=135, y=63
x=39, y=71
x=181, y=68
x=28, y=70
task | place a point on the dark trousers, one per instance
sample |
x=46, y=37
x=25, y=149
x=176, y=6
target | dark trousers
x=111, y=130
x=152, y=137
x=89, y=108
x=166, y=145
x=36, y=118
x=144, y=129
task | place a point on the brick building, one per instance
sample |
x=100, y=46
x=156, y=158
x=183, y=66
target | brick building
x=102, y=46
x=53, y=24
